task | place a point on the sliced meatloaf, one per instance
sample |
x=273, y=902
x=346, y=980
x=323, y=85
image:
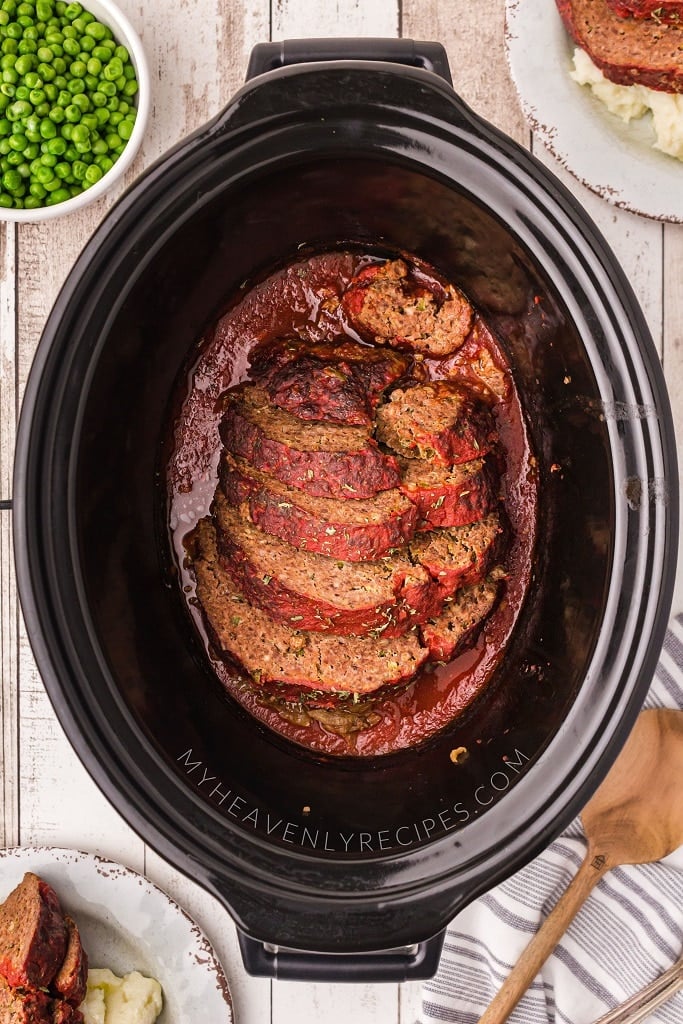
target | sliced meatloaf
x=338, y=382
x=33, y=934
x=65, y=1013
x=326, y=460
x=271, y=651
x=460, y=618
x=24, y=1005
x=313, y=592
x=72, y=977
x=440, y=421
x=354, y=531
x=627, y=50
x=449, y=495
x=658, y=10
x=460, y=555
x=391, y=304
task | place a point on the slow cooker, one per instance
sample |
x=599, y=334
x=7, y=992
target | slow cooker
x=342, y=867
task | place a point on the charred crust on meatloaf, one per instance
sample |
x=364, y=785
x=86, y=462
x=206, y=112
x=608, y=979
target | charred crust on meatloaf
x=338, y=382
x=391, y=304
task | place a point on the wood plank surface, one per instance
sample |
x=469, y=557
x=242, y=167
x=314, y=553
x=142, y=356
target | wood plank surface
x=198, y=52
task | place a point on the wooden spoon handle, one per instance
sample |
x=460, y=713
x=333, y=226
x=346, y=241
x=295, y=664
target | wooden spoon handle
x=545, y=939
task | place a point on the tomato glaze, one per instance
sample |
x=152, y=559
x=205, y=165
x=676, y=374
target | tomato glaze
x=302, y=300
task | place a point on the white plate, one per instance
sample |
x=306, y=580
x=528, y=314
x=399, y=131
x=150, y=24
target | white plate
x=612, y=158
x=127, y=923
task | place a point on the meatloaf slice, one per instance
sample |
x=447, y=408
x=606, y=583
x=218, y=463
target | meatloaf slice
x=390, y=304
x=273, y=652
x=33, y=934
x=627, y=50
x=313, y=592
x=24, y=1005
x=440, y=421
x=323, y=459
x=72, y=977
x=338, y=382
x=355, y=531
x=460, y=555
x=462, y=615
x=448, y=495
x=65, y=1013
x=668, y=11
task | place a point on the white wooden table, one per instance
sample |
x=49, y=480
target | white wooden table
x=198, y=51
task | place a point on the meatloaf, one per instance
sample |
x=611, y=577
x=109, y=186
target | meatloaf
x=65, y=1013
x=448, y=496
x=460, y=555
x=339, y=382
x=71, y=979
x=460, y=618
x=325, y=460
x=392, y=304
x=24, y=1006
x=658, y=10
x=33, y=934
x=313, y=592
x=627, y=50
x=361, y=530
x=271, y=651
x=440, y=421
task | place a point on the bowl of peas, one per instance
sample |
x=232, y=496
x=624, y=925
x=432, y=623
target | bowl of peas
x=74, y=102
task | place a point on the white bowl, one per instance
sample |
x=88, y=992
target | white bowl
x=124, y=33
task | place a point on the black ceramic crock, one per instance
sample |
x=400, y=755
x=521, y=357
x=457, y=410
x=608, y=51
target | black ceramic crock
x=342, y=867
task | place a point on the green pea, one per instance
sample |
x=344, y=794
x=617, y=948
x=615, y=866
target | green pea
x=14, y=30
x=78, y=169
x=81, y=101
x=71, y=46
x=18, y=142
x=62, y=169
x=102, y=53
x=60, y=195
x=14, y=159
x=93, y=174
x=72, y=11
x=56, y=146
x=11, y=181
x=46, y=72
x=78, y=69
x=47, y=128
x=80, y=133
x=6, y=201
x=37, y=190
x=104, y=163
x=37, y=96
x=25, y=46
x=66, y=130
x=57, y=115
x=90, y=122
x=33, y=80
x=31, y=151
x=31, y=203
x=72, y=113
x=112, y=70
x=51, y=91
x=24, y=64
x=7, y=90
x=83, y=147
x=88, y=44
x=22, y=92
x=115, y=118
x=21, y=108
x=98, y=99
x=125, y=129
x=10, y=76
x=59, y=64
x=75, y=85
x=102, y=115
x=52, y=184
x=91, y=82
x=5, y=147
x=48, y=160
x=45, y=54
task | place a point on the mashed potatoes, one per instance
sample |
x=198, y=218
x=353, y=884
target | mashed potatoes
x=132, y=999
x=634, y=101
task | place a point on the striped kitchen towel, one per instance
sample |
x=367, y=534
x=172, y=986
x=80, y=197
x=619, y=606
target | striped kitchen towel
x=627, y=933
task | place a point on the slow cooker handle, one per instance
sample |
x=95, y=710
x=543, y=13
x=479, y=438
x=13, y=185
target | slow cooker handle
x=412, y=52
x=414, y=963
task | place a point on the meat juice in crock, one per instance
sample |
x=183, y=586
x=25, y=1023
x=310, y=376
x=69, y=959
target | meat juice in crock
x=302, y=300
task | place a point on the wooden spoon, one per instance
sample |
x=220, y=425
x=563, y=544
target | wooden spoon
x=635, y=817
